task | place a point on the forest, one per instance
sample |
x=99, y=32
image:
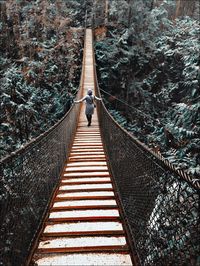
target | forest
x=40, y=66
x=148, y=69
x=147, y=55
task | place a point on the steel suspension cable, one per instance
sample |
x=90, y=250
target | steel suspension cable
x=135, y=109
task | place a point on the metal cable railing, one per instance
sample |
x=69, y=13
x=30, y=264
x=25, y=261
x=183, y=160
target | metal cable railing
x=28, y=180
x=160, y=204
x=143, y=120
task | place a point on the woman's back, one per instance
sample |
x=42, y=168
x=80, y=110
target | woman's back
x=89, y=99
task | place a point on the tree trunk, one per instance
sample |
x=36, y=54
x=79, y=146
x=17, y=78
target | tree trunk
x=186, y=8
x=178, y=6
x=106, y=12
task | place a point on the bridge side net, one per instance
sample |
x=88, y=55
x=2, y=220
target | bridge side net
x=27, y=182
x=161, y=209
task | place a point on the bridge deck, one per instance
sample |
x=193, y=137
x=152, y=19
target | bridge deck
x=84, y=226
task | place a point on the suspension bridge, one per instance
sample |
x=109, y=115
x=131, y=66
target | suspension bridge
x=81, y=195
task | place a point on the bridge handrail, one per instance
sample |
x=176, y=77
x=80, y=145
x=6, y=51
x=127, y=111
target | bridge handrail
x=194, y=182
x=30, y=144
x=160, y=203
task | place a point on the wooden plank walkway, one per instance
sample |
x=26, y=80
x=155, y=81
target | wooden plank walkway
x=84, y=226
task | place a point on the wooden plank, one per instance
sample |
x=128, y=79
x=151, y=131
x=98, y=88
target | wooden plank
x=84, y=249
x=91, y=144
x=82, y=233
x=82, y=181
x=85, y=179
x=58, y=199
x=85, y=140
x=87, y=135
x=84, y=226
x=85, y=153
x=84, y=203
x=87, y=164
x=88, y=219
x=75, y=152
x=81, y=159
x=87, y=130
x=94, y=218
x=97, y=207
x=85, y=182
x=89, y=156
x=85, y=169
x=88, y=149
x=86, y=190
x=84, y=187
x=91, y=174
x=91, y=258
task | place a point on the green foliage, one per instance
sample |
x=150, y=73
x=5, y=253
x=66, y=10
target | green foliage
x=40, y=67
x=152, y=63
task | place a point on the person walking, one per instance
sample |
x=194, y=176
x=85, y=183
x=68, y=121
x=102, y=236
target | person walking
x=89, y=102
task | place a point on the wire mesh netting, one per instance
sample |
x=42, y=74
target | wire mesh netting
x=28, y=179
x=161, y=209
x=161, y=206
